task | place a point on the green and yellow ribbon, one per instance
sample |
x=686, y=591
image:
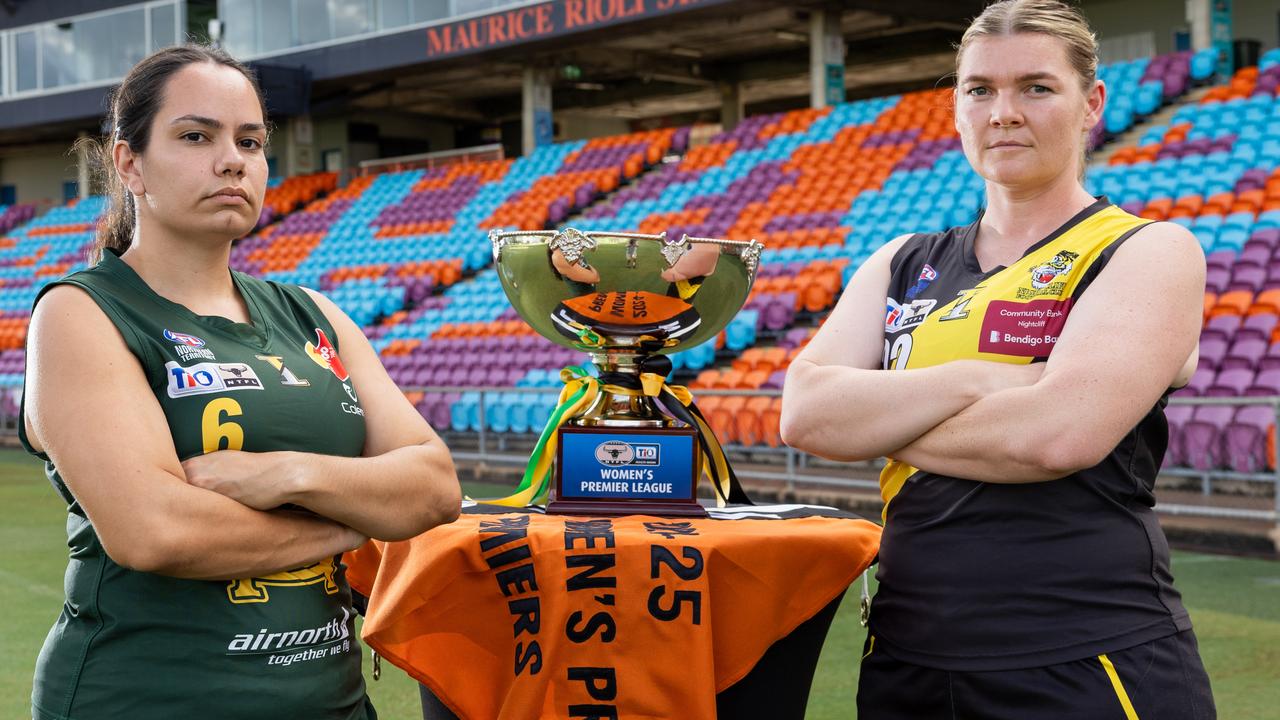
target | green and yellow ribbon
x=581, y=390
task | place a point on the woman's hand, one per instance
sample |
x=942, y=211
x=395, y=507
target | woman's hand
x=262, y=481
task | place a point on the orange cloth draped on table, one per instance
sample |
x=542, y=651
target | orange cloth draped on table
x=516, y=614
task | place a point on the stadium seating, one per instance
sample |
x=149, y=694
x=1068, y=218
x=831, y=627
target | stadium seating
x=406, y=255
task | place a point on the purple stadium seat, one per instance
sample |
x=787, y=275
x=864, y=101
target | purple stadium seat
x=1258, y=325
x=1222, y=259
x=781, y=312
x=1254, y=253
x=1221, y=327
x=1247, y=277
x=1244, y=441
x=477, y=375
x=424, y=406
x=794, y=337
x=1230, y=383
x=1200, y=381
x=1271, y=360
x=1269, y=236
x=1266, y=383
x=441, y=418
x=775, y=380
x=1177, y=415
x=1212, y=352
x=1202, y=435
x=1216, y=279
x=1244, y=353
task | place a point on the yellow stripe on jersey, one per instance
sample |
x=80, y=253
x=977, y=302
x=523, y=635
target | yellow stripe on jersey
x=892, y=478
x=1014, y=316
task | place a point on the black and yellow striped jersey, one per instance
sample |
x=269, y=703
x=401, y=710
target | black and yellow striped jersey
x=988, y=576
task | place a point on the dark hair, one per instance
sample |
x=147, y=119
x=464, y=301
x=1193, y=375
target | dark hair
x=133, y=108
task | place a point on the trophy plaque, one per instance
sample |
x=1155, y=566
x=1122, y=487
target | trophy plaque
x=625, y=442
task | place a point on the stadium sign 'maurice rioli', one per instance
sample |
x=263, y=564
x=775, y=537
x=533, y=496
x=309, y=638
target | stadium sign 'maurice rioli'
x=544, y=20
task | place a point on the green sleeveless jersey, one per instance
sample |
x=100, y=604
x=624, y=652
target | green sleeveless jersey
x=137, y=645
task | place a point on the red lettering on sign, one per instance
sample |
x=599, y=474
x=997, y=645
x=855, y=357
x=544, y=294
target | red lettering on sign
x=573, y=14
x=439, y=41
x=544, y=26
x=605, y=10
x=497, y=28
x=536, y=21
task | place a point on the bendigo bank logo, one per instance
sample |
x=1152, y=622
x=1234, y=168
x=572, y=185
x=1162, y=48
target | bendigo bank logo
x=326, y=356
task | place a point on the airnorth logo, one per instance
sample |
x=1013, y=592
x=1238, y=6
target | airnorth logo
x=295, y=646
x=254, y=590
x=326, y=356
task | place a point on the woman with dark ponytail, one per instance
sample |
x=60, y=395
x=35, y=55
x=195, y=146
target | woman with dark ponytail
x=216, y=451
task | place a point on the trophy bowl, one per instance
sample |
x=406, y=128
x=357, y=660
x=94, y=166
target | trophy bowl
x=627, y=299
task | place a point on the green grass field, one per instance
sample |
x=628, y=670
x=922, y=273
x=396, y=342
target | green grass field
x=1234, y=602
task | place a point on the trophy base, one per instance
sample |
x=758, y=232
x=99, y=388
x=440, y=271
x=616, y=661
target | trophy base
x=626, y=471
x=626, y=507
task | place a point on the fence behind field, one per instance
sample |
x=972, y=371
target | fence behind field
x=467, y=417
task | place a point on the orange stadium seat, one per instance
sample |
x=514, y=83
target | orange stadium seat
x=1235, y=302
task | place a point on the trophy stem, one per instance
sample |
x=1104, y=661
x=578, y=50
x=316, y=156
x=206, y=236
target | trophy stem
x=619, y=410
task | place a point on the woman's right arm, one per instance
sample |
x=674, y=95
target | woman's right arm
x=90, y=408
x=838, y=403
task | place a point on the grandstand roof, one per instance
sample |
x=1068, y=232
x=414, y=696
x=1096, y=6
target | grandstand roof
x=661, y=64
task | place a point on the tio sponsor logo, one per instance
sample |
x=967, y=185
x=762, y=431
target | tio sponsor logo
x=205, y=378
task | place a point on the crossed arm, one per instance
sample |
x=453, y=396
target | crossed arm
x=1130, y=337
x=113, y=448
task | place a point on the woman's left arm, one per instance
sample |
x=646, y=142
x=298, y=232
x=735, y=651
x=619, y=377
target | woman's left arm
x=403, y=485
x=1121, y=349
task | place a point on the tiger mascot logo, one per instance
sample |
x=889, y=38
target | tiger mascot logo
x=1060, y=264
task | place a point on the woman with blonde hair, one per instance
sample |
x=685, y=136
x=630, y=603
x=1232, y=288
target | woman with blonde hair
x=1023, y=572
x=219, y=440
